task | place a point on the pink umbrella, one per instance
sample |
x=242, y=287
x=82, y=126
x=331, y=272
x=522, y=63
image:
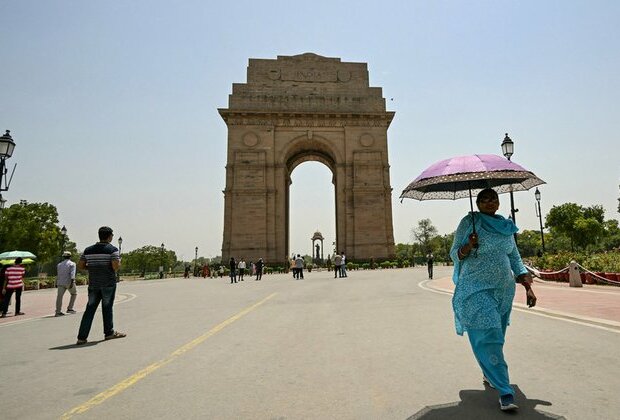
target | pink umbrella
x=462, y=176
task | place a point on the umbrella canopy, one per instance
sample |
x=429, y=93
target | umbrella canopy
x=11, y=261
x=14, y=254
x=461, y=176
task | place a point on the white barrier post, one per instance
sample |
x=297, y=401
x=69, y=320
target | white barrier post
x=574, y=278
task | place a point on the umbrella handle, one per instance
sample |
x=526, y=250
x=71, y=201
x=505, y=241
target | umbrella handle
x=473, y=221
x=471, y=206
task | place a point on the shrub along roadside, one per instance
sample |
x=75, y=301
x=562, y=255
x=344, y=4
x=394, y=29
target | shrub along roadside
x=608, y=262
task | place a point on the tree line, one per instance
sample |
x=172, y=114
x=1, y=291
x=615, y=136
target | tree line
x=34, y=227
x=571, y=227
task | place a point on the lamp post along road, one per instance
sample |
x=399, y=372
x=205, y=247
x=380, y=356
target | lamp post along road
x=508, y=148
x=542, y=235
x=7, y=146
x=63, y=232
x=120, y=244
x=195, y=261
x=161, y=267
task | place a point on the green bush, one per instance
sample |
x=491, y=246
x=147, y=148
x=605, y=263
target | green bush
x=602, y=262
x=386, y=264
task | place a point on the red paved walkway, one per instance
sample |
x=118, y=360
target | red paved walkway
x=42, y=303
x=599, y=304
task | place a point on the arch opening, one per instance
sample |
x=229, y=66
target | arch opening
x=311, y=206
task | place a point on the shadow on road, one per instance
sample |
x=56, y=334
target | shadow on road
x=478, y=404
x=75, y=346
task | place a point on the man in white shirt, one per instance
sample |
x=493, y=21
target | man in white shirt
x=343, y=265
x=65, y=280
x=241, y=267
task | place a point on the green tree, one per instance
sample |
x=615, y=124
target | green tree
x=587, y=231
x=596, y=212
x=611, y=237
x=403, y=252
x=529, y=243
x=561, y=220
x=148, y=259
x=32, y=227
x=585, y=227
x=424, y=233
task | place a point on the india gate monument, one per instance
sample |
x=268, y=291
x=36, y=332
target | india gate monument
x=306, y=108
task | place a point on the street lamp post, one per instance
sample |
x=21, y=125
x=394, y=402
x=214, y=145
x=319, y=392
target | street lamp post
x=63, y=232
x=120, y=244
x=7, y=145
x=508, y=148
x=195, y=261
x=542, y=235
x=161, y=267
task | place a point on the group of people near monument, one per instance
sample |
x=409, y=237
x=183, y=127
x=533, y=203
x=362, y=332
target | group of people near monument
x=237, y=269
x=340, y=265
x=297, y=267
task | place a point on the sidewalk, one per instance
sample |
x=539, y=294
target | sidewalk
x=590, y=303
x=42, y=303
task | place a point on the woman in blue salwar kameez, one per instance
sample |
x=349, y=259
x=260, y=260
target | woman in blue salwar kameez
x=485, y=266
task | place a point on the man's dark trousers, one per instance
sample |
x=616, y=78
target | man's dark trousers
x=7, y=300
x=96, y=294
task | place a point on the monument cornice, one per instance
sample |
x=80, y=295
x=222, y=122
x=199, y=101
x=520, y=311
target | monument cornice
x=306, y=118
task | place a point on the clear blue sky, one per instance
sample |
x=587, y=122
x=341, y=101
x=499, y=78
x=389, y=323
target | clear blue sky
x=113, y=105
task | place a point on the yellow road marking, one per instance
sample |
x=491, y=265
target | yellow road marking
x=126, y=383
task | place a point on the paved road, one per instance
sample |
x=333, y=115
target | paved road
x=376, y=345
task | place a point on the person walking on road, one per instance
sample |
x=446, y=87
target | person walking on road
x=102, y=260
x=232, y=265
x=65, y=281
x=429, y=264
x=299, y=266
x=13, y=282
x=293, y=267
x=259, y=269
x=241, y=266
x=337, y=265
x=486, y=262
x=343, y=265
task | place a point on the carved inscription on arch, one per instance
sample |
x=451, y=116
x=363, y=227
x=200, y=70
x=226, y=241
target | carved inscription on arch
x=309, y=75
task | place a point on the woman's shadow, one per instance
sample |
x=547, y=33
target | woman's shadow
x=484, y=404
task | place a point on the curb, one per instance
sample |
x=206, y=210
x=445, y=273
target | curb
x=605, y=324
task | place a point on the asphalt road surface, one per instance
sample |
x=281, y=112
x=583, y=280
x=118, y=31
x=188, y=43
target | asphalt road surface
x=375, y=345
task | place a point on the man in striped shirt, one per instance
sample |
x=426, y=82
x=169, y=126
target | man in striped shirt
x=13, y=282
x=102, y=261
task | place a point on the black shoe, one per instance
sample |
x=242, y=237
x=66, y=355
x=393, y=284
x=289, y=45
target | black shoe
x=59, y=314
x=70, y=311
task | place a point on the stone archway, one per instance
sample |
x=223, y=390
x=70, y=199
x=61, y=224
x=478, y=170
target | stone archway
x=291, y=110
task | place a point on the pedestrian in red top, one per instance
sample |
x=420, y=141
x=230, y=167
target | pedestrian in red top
x=13, y=283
